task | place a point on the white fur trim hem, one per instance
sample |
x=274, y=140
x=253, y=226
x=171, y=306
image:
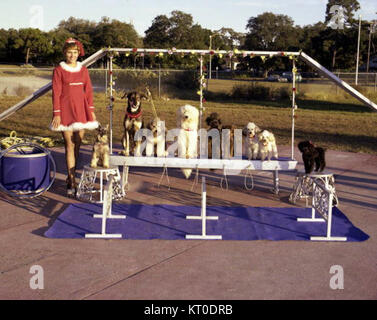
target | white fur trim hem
x=76, y=126
x=68, y=68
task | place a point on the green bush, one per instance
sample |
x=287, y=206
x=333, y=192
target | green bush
x=256, y=91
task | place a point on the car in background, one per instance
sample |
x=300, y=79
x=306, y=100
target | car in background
x=276, y=78
x=289, y=76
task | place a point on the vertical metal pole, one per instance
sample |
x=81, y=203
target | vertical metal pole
x=358, y=53
x=313, y=198
x=159, y=80
x=111, y=101
x=210, y=57
x=204, y=204
x=370, y=37
x=201, y=92
x=293, y=105
x=106, y=79
x=329, y=215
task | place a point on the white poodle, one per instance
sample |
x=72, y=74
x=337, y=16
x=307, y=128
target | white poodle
x=252, y=143
x=187, y=122
x=267, y=145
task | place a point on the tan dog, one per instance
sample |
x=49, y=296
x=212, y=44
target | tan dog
x=101, y=150
x=156, y=145
x=250, y=132
x=267, y=145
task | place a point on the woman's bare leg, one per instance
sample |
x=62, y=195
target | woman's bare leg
x=69, y=145
x=78, y=136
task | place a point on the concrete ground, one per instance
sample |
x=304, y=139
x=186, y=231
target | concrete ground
x=191, y=269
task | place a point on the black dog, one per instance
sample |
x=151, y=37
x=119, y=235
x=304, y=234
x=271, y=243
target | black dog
x=311, y=155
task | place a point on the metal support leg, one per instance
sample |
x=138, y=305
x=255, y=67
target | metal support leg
x=106, y=213
x=125, y=186
x=204, y=218
x=276, y=182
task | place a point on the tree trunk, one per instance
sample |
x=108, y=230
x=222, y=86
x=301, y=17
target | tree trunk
x=333, y=59
x=27, y=55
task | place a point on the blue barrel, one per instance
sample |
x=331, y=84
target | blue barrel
x=25, y=169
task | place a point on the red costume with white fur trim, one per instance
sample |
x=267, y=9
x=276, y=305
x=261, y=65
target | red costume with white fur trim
x=72, y=98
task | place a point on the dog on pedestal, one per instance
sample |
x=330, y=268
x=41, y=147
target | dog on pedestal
x=101, y=149
x=132, y=123
x=250, y=132
x=187, y=122
x=267, y=145
x=312, y=155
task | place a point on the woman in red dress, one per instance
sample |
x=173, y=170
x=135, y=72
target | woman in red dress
x=73, y=110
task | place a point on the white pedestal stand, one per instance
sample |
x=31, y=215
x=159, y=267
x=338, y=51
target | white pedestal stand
x=204, y=218
x=106, y=213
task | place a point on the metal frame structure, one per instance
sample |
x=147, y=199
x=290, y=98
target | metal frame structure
x=205, y=163
x=110, y=51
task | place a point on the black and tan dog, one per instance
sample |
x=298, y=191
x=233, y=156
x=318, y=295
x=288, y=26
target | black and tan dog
x=132, y=123
x=312, y=155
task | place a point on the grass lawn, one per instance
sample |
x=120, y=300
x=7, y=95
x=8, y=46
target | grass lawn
x=338, y=124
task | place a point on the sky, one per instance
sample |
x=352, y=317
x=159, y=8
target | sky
x=210, y=14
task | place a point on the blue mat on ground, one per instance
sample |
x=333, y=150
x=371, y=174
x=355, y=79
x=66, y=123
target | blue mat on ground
x=169, y=223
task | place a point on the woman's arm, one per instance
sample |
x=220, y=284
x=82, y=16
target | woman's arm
x=89, y=92
x=56, y=93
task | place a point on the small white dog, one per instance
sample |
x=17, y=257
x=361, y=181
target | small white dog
x=267, y=145
x=156, y=140
x=250, y=131
x=187, y=121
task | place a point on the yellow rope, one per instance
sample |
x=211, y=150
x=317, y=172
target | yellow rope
x=7, y=142
x=153, y=107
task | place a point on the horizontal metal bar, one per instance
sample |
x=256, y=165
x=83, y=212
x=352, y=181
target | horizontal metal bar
x=256, y=53
x=225, y=164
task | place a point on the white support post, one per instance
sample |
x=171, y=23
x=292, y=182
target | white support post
x=293, y=105
x=324, y=208
x=201, y=93
x=111, y=101
x=106, y=213
x=124, y=183
x=313, y=218
x=204, y=218
x=276, y=190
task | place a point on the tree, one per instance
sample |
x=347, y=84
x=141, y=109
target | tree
x=82, y=30
x=31, y=43
x=349, y=6
x=336, y=40
x=157, y=35
x=271, y=32
x=175, y=31
x=227, y=39
x=3, y=44
x=178, y=31
x=115, y=34
x=268, y=31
